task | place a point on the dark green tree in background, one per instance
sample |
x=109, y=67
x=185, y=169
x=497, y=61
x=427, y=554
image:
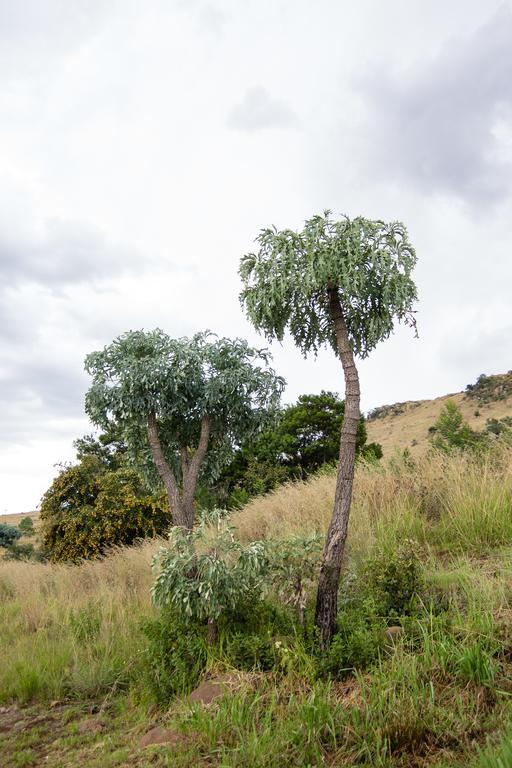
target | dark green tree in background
x=343, y=284
x=305, y=437
x=8, y=535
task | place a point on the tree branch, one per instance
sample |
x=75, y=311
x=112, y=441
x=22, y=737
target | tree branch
x=190, y=482
x=164, y=470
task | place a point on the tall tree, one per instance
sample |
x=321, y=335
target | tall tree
x=182, y=404
x=343, y=284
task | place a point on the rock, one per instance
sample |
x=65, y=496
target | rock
x=392, y=635
x=90, y=726
x=212, y=689
x=159, y=735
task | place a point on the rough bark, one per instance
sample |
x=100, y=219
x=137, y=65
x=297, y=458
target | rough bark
x=181, y=504
x=192, y=472
x=327, y=595
x=165, y=472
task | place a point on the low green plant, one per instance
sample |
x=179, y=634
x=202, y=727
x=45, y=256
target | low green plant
x=26, y=526
x=394, y=580
x=357, y=642
x=294, y=566
x=204, y=574
x=25, y=552
x=175, y=655
x=8, y=535
x=451, y=432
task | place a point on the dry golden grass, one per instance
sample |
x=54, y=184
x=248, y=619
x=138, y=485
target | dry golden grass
x=410, y=429
x=16, y=519
x=120, y=582
x=444, y=501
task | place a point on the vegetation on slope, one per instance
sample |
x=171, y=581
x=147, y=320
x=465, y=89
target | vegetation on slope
x=434, y=693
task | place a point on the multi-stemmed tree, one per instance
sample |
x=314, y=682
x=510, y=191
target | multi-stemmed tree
x=342, y=284
x=181, y=405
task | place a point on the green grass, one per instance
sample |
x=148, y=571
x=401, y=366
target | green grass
x=441, y=696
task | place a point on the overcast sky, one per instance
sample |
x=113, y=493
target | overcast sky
x=144, y=144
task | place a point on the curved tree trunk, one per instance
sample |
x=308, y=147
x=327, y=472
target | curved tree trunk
x=327, y=595
x=181, y=504
x=165, y=472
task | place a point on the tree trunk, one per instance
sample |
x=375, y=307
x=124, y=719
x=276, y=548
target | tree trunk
x=330, y=571
x=192, y=472
x=165, y=472
x=182, y=505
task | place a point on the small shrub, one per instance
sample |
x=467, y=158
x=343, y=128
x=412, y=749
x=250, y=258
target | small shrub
x=294, y=566
x=175, y=656
x=357, y=642
x=206, y=577
x=394, y=580
x=451, y=432
x=25, y=552
x=26, y=526
x=251, y=636
x=8, y=535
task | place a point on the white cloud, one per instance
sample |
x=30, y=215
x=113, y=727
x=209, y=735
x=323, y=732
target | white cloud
x=143, y=146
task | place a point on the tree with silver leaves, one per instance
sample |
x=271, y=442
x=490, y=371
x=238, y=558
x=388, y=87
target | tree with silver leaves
x=181, y=405
x=342, y=284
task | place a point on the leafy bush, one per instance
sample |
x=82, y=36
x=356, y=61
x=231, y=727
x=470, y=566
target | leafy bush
x=204, y=585
x=8, y=535
x=393, y=579
x=89, y=508
x=25, y=552
x=26, y=526
x=175, y=656
x=451, y=432
x=294, y=566
x=357, y=642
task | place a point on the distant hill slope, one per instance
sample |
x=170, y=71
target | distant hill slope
x=405, y=425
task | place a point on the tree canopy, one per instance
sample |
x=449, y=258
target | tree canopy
x=181, y=404
x=368, y=262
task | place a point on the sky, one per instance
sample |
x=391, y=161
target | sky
x=143, y=145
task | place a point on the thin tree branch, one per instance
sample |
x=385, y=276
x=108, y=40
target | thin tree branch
x=164, y=470
x=189, y=484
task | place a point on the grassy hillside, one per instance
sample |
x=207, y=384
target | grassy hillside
x=16, y=519
x=72, y=679
x=405, y=425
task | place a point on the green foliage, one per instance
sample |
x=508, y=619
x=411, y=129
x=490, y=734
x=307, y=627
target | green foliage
x=369, y=262
x=175, y=655
x=203, y=585
x=26, y=526
x=393, y=578
x=89, y=508
x=109, y=447
x=499, y=427
x=181, y=380
x=294, y=565
x=357, y=642
x=305, y=437
x=8, y=535
x=450, y=431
